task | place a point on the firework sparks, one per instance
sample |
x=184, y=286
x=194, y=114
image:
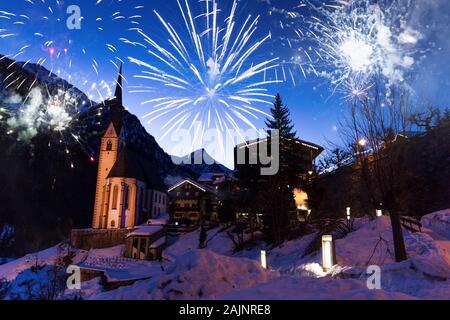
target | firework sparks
x=352, y=41
x=56, y=113
x=53, y=44
x=209, y=62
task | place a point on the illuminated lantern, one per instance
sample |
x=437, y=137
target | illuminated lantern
x=328, y=252
x=264, y=259
x=379, y=212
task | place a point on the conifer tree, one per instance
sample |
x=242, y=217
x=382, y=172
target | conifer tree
x=277, y=193
x=281, y=119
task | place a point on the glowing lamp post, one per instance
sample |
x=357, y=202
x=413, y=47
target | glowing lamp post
x=264, y=259
x=348, y=213
x=328, y=252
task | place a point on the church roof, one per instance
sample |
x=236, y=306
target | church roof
x=130, y=164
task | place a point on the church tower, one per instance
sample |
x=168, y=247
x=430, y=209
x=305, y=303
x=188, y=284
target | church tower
x=110, y=146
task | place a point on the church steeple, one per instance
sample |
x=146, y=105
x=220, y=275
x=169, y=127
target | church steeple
x=116, y=104
x=118, y=93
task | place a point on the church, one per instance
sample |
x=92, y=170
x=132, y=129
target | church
x=128, y=192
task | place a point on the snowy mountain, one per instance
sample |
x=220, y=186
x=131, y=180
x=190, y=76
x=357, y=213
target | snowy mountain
x=200, y=162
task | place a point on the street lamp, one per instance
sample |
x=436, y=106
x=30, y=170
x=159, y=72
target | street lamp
x=264, y=259
x=328, y=252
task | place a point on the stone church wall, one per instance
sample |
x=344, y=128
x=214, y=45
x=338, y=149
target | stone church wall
x=97, y=239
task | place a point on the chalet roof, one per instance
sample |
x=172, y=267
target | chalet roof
x=129, y=164
x=314, y=147
x=199, y=186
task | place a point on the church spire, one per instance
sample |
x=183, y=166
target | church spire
x=118, y=93
x=116, y=106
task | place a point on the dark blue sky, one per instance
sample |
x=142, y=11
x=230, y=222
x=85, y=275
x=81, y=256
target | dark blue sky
x=314, y=109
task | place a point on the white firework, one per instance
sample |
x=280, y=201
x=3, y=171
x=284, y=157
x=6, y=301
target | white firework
x=56, y=113
x=207, y=72
x=349, y=42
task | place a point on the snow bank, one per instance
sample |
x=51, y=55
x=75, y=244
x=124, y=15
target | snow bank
x=118, y=268
x=217, y=241
x=197, y=274
x=290, y=288
x=9, y=271
x=439, y=222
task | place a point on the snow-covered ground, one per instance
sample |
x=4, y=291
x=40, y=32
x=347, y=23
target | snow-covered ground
x=217, y=273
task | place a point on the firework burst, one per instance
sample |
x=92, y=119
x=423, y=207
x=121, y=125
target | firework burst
x=209, y=66
x=55, y=113
x=350, y=42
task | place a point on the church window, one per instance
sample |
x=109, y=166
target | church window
x=115, y=197
x=109, y=145
x=113, y=223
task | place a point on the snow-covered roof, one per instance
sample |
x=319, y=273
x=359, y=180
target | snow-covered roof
x=161, y=220
x=200, y=186
x=145, y=230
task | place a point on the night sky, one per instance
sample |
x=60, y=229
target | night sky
x=314, y=108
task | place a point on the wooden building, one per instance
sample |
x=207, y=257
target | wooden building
x=192, y=201
x=248, y=155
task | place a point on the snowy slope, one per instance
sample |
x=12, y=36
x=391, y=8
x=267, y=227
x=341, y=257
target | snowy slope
x=218, y=273
x=439, y=222
x=197, y=274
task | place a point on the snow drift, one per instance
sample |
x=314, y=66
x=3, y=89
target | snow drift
x=198, y=274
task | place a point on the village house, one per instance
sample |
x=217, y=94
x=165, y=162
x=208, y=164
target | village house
x=247, y=162
x=193, y=202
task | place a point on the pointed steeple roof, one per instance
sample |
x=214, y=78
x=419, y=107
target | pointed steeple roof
x=116, y=105
x=118, y=93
